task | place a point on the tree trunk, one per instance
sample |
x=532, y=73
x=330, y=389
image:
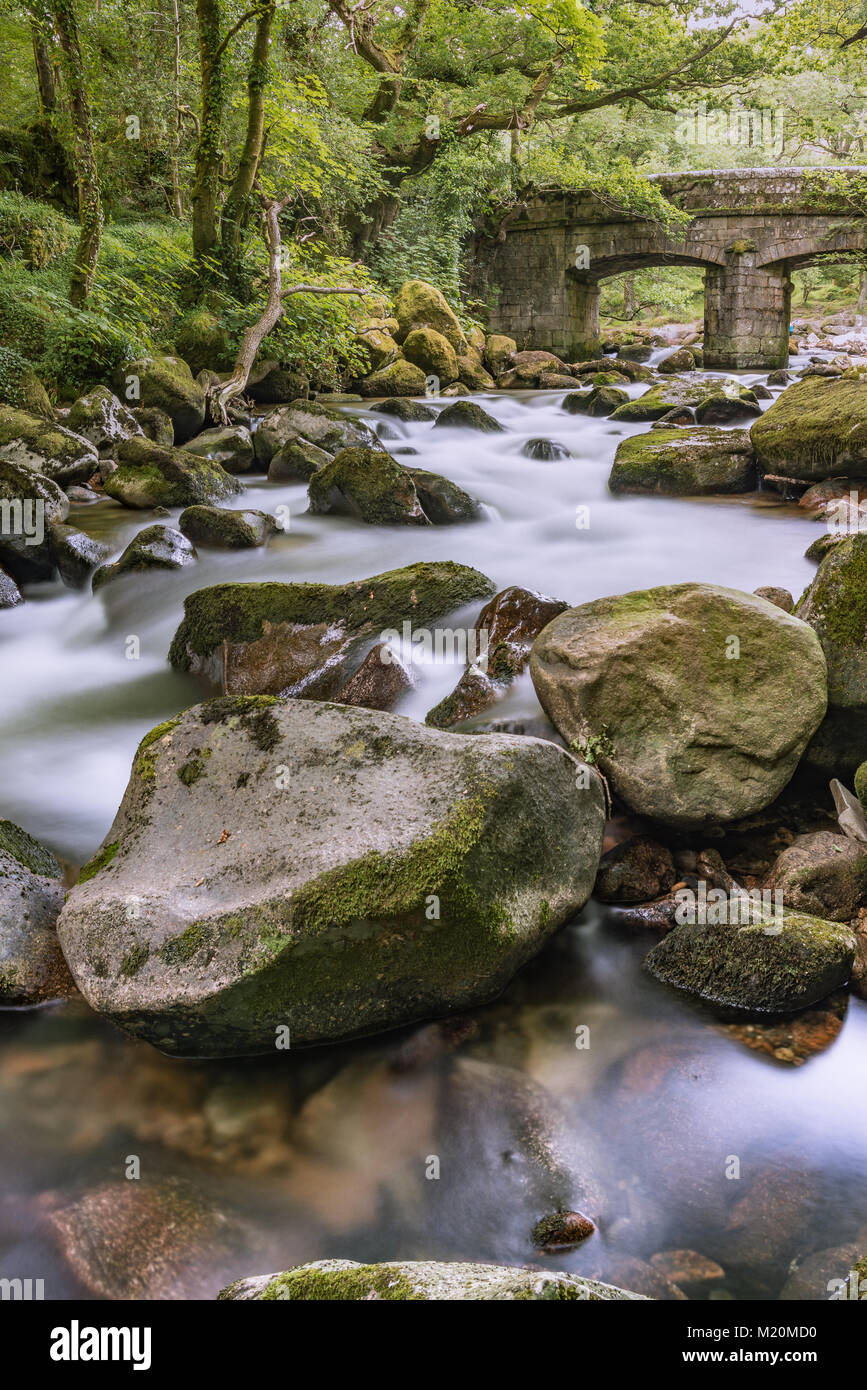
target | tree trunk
x=177, y=199
x=44, y=69
x=239, y=194
x=86, y=173
x=628, y=296
x=208, y=151
x=220, y=396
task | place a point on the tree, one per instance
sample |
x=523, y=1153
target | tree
x=90, y=213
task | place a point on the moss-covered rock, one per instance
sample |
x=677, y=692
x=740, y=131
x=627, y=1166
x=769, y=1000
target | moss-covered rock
x=472, y=373
x=309, y=422
x=835, y=606
x=297, y=638
x=442, y=501
x=29, y=505
x=499, y=351
x=425, y=1281
x=698, y=700
x=155, y=424
x=149, y=476
x=815, y=429
x=544, y=450
x=32, y=968
x=420, y=305
x=433, y=353
x=53, y=450
x=398, y=873
x=693, y=392
x=467, y=415
x=100, y=417
x=401, y=378
x=410, y=412
x=599, y=401
x=168, y=384
x=381, y=346
x=226, y=530
x=154, y=548
x=370, y=485
x=230, y=446
x=685, y=463
x=681, y=360
x=767, y=967
x=20, y=387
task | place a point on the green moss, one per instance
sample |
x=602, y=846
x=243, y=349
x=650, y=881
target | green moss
x=254, y=713
x=26, y=851
x=144, y=762
x=195, y=767
x=358, y=1284
x=99, y=861
x=236, y=613
x=135, y=958
x=861, y=784
x=178, y=950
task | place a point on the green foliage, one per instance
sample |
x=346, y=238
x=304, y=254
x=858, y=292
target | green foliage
x=32, y=230
x=12, y=368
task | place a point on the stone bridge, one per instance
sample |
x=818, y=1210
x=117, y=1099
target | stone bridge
x=750, y=229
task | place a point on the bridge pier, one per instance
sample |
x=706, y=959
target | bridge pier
x=746, y=314
x=581, y=341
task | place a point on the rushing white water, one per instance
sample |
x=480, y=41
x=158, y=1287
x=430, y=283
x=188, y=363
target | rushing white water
x=74, y=706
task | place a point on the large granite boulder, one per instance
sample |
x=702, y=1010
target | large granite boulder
x=149, y=476
x=338, y=872
x=696, y=701
x=817, y=428
x=164, y=383
x=685, y=463
x=45, y=448
x=835, y=606
x=32, y=968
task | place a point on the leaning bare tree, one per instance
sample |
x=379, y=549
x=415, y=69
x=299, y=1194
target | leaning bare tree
x=220, y=396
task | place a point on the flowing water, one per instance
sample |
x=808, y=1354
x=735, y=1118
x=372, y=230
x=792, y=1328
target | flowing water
x=329, y=1153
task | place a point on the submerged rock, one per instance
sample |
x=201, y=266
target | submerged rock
x=694, y=392
x=546, y=450
x=696, y=701
x=294, y=639
x=378, y=683
x=507, y=627
x=411, y=412
x=685, y=463
x=776, y=966
x=75, y=554
x=226, y=530
x=426, y=1281
x=154, y=548
x=442, y=501
x=149, y=476
x=32, y=968
x=600, y=401
x=398, y=873
x=817, y=428
x=561, y=1231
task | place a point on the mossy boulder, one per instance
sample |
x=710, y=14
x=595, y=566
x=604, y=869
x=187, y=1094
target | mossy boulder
x=155, y=424
x=53, y=450
x=696, y=700
x=401, y=378
x=149, y=476
x=297, y=458
x=544, y=450
x=693, y=392
x=824, y=874
x=223, y=529
x=168, y=384
x=381, y=346
x=467, y=415
x=499, y=351
x=368, y=484
x=30, y=504
x=681, y=360
x=399, y=873
x=432, y=352
x=154, y=548
x=773, y=966
x=271, y=381
x=310, y=422
x=861, y=783
x=231, y=446
x=442, y=501
x=473, y=375
x=835, y=606
x=419, y=1281
x=100, y=417
x=20, y=387
x=75, y=554
x=420, y=305
x=298, y=639
x=409, y=412
x=817, y=428
x=685, y=463
x=32, y=968
x=599, y=401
